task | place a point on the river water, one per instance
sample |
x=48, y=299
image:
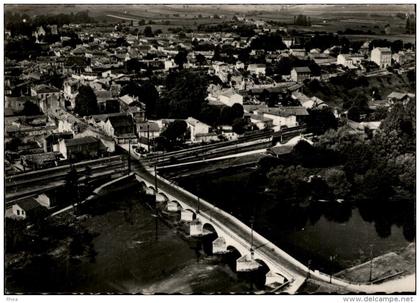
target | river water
x=129, y=259
x=328, y=236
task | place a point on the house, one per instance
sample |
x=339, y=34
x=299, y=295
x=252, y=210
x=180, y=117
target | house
x=403, y=57
x=52, y=139
x=27, y=208
x=381, y=56
x=40, y=161
x=17, y=103
x=80, y=148
x=288, y=41
x=257, y=69
x=48, y=96
x=47, y=199
x=308, y=103
x=298, y=52
x=121, y=127
x=349, y=60
x=289, y=116
x=229, y=97
x=299, y=74
x=261, y=122
x=196, y=128
x=127, y=101
x=396, y=97
x=280, y=150
x=148, y=130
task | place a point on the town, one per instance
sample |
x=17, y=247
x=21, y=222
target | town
x=323, y=117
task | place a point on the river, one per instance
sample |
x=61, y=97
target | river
x=330, y=236
x=129, y=259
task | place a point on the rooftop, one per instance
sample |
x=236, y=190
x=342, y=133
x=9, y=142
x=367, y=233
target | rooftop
x=28, y=204
x=81, y=141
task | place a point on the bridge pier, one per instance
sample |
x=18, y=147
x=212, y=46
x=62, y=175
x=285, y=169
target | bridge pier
x=273, y=279
x=246, y=263
x=219, y=246
x=196, y=228
x=172, y=207
x=187, y=216
x=150, y=191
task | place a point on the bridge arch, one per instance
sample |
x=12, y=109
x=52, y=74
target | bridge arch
x=210, y=234
x=259, y=276
x=161, y=197
x=209, y=228
x=231, y=257
x=173, y=206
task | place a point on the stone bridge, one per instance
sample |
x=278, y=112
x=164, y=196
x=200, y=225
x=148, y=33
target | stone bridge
x=204, y=219
x=282, y=272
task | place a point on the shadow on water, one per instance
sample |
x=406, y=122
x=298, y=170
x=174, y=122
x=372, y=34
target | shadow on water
x=297, y=228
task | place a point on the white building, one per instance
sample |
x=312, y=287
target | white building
x=257, y=69
x=349, y=61
x=381, y=56
x=284, y=116
x=196, y=128
x=229, y=97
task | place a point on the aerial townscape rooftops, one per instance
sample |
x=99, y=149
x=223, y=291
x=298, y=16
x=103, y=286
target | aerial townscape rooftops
x=209, y=148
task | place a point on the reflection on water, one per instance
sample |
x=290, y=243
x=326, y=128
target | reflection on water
x=314, y=231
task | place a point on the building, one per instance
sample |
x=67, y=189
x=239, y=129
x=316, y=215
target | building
x=349, y=61
x=47, y=199
x=148, y=130
x=288, y=41
x=396, y=97
x=80, y=148
x=289, y=116
x=40, y=161
x=381, y=56
x=27, y=208
x=121, y=127
x=299, y=74
x=261, y=122
x=48, y=96
x=257, y=69
x=196, y=128
x=229, y=97
x=298, y=52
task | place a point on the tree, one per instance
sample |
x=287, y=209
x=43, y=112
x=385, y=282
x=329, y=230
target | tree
x=30, y=109
x=86, y=102
x=175, y=132
x=148, y=31
x=201, y=60
x=132, y=65
x=185, y=94
x=149, y=96
x=337, y=181
x=181, y=58
x=238, y=125
x=321, y=120
x=237, y=111
x=13, y=144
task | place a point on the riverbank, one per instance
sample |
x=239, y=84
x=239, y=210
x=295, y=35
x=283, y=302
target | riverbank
x=390, y=266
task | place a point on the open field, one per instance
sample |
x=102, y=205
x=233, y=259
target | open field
x=328, y=18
